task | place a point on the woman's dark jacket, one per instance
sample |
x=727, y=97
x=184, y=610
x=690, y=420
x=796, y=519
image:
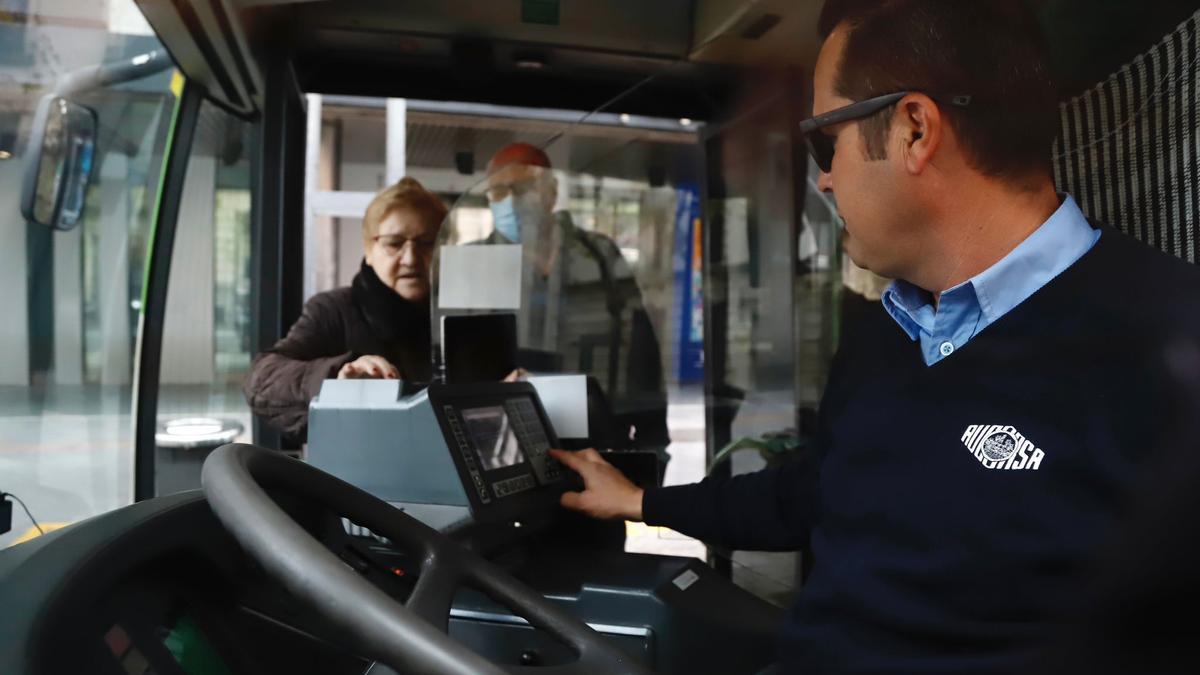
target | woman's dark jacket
x=337, y=327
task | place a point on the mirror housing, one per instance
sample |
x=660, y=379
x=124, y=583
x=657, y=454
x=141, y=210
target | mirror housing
x=59, y=164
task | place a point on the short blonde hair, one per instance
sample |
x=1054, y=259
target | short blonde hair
x=406, y=194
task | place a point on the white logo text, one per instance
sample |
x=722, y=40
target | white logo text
x=1000, y=447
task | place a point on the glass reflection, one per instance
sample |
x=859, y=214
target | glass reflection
x=579, y=307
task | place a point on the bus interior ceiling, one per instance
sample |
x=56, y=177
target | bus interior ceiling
x=673, y=58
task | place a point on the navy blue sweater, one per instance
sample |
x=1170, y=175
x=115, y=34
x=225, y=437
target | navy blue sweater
x=953, y=509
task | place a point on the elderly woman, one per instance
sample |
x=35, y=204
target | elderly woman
x=376, y=328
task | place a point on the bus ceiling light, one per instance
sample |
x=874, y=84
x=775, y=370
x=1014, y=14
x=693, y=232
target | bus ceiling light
x=685, y=121
x=4, y=154
x=625, y=118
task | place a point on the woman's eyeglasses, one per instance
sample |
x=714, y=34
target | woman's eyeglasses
x=394, y=244
x=821, y=145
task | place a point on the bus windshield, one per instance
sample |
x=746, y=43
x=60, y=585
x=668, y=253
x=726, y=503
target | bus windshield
x=72, y=295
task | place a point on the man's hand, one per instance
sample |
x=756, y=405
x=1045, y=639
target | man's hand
x=369, y=367
x=607, y=493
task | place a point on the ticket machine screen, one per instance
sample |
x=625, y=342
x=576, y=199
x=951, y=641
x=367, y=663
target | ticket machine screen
x=501, y=438
x=493, y=436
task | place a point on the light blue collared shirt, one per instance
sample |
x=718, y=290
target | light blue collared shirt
x=968, y=308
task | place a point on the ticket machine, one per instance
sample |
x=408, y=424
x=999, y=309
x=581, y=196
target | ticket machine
x=451, y=455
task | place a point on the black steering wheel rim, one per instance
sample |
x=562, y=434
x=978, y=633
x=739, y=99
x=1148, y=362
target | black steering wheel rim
x=409, y=637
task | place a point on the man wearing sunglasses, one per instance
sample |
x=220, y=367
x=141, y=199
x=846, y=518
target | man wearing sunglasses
x=980, y=432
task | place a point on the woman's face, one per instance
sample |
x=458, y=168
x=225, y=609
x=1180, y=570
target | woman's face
x=401, y=253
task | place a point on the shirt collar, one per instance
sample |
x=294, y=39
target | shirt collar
x=1052, y=248
x=910, y=307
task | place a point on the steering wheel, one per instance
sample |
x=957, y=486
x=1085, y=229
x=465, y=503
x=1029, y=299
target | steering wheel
x=409, y=637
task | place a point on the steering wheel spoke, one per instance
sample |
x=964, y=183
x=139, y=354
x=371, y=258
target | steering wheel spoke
x=434, y=593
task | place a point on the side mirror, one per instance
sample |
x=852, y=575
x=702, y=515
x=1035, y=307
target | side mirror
x=59, y=164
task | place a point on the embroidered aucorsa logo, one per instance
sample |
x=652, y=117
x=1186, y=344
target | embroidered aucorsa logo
x=1000, y=447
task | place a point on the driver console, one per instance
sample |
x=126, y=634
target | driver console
x=471, y=460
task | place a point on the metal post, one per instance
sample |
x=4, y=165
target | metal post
x=312, y=154
x=397, y=140
x=276, y=254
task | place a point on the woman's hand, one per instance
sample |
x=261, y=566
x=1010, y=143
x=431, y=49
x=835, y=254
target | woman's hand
x=369, y=367
x=516, y=375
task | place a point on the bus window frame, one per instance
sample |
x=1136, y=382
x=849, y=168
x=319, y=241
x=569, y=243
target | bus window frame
x=276, y=251
x=148, y=356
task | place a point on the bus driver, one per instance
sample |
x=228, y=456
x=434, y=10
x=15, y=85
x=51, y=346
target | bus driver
x=1015, y=325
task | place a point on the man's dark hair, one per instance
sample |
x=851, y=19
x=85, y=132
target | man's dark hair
x=992, y=50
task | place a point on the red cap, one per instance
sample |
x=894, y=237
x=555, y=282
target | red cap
x=518, y=153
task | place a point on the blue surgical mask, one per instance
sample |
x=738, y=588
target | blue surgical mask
x=504, y=217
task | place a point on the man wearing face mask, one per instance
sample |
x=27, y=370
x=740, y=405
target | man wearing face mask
x=522, y=191
x=581, y=294
x=378, y=327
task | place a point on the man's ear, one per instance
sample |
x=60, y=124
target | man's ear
x=921, y=128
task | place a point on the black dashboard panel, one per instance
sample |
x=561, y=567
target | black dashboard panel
x=177, y=616
x=154, y=588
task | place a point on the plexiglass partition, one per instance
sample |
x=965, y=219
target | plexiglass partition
x=529, y=276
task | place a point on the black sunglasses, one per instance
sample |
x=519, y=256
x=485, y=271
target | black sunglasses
x=820, y=146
